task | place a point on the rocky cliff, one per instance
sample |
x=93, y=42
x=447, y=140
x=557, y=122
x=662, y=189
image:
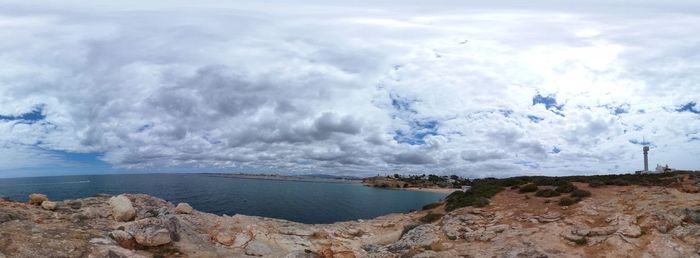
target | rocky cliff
x=616, y=221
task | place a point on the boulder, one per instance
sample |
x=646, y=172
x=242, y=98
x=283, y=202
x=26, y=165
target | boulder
x=183, y=208
x=426, y=234
x=224, y=238
x=152, y=231
x=48, y=205
x=123, y=238
x=37, y=199
x=258, y=248
x=122, y=209
x=301, y=254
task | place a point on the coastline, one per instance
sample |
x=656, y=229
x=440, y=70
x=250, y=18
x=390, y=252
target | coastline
x=430, y=190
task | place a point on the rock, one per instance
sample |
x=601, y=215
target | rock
x=692, y=215
x=224, y=238
x=37, y=199
x=301, y=254
x=122, y=209
x=258, y=248
x=48, y=205
x=75, y=205
x=5, y=199
x=183, y=208
x=151, y=231
x=602, y=231
x=426, y=234
x=123, y=238
x=632, y=231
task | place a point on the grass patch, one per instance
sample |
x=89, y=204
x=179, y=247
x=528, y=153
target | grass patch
x=431, y=217
x=528, y=188
x=547, y=193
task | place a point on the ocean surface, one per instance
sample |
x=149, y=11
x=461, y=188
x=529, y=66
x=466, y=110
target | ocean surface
x=301, y=201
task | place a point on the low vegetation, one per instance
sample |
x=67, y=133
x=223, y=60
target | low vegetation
x=528, y=188
x=431, y=217
x=566, y=201
x=547, y=193
x=431, y=206
x=483, y=189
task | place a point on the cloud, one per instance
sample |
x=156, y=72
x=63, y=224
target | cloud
x=479, y=89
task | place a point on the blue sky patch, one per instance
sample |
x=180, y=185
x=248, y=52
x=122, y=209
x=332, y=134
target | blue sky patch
x=690, y=107
x=535, y=119
x=401, y=104
x=555, y=150
x=528, y=164
x=419, y=130
x=549, y=101
x=35, y=115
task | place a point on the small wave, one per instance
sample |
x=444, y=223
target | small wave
x=56, y=183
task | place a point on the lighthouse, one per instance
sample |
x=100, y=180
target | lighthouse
x=646, y=158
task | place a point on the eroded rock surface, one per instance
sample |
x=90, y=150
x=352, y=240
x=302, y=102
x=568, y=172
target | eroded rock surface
x=617, y=221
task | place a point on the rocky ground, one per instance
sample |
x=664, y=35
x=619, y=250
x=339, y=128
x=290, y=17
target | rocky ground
x=616, y=221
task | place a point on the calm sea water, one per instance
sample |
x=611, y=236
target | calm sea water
x=307, y=202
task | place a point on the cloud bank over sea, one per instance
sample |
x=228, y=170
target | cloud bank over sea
x=488, y=88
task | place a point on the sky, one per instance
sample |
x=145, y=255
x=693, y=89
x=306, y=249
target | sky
x=473, y=88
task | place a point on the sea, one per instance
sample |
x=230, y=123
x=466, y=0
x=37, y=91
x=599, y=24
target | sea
x=314, y=201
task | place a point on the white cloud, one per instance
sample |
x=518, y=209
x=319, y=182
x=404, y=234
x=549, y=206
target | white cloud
x=346, y=88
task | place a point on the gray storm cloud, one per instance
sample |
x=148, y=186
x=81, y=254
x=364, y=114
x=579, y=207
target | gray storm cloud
x=351, y=88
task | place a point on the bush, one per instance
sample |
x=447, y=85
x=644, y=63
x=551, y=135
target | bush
x=528, y=188
x=581, y=241
x=566, y=201
x=481, y=202
x=596, y=183
x=547, y=193
x=618, y=182
x=578, y=193
x=566, y=188
x=431, y=217
x=453, y=238
x=431, y=206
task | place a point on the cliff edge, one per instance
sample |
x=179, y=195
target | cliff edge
x=615, y=221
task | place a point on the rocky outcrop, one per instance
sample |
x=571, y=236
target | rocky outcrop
x=37, y=199
x=183, y=208
x=122, y=209
x=617, y=221
x=48, y=205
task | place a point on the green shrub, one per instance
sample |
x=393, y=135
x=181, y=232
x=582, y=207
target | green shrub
x=578, y=193
x=581, y=241
x=431, y=206
x=481, y=202
x=566, y=188
x=596, y=183
x=478, y=195
x=528, y=188
x=453, y=238
x=566, y=201
x=431, y=217
x=547, y=193
x=427, y=247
